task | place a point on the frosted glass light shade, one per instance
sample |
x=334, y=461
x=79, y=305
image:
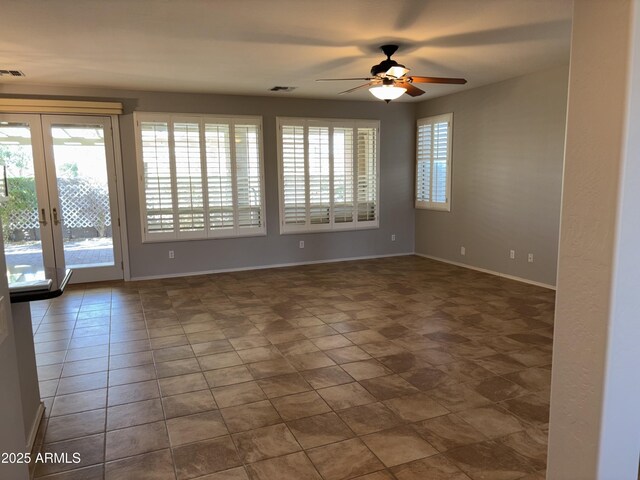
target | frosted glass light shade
x=387, y=92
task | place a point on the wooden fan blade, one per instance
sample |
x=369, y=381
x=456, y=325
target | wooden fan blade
x=459, y=81
x=411, y=90
x=355, y=88
x=340, y=79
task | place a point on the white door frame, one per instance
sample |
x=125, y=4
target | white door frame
x=92, y=273
x=122, y=211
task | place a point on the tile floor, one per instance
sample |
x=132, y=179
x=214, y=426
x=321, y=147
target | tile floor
x=399, y=368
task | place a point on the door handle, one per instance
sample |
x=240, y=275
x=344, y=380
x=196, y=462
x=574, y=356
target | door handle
x=43, y=219
x=56, y=221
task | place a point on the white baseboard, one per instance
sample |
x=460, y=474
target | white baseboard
x=490, y=272
x=33, y=433
x=264, y=267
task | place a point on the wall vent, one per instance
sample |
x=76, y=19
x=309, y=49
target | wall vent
x=278, y=88
x=11, y=73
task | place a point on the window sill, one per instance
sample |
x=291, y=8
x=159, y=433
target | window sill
x=307, y=230
x=200, y=239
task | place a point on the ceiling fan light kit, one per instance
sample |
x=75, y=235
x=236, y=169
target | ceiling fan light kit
x=387, y=92
x=389, y=79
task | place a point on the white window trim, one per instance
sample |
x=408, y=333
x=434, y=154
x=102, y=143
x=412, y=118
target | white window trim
x=446, y=206
x=235, y=232
x=331, y=226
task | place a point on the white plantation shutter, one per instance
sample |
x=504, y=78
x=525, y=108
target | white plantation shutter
x=424, y=163
x=328, y=172
x=293, y=166
x=219, y=176
x=158, y=191
x=343, y=168
x=188, y=168
x=202, y=177
x=319, y=179
x=433, y=163
x=367, y=175
x=440, y=162
x=248, y=175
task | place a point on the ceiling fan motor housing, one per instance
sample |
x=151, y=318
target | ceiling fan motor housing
x=384, y=66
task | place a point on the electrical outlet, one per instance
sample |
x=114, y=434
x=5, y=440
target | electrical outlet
x=463, y=251
x=530, y=258
x=512, y=254
x=301, y=243
x=393, y=237
x=171, y=254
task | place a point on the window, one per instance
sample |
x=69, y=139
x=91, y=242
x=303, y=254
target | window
x=200, y=176
x=328, y=174
x=433, y=165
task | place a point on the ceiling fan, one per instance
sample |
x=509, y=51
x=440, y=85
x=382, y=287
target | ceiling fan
x=389, y=79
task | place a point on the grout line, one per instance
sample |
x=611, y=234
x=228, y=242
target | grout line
x=161, y=398
x=106, y=398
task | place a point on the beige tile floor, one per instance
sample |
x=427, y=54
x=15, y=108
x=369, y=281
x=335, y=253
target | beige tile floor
x=399, y=368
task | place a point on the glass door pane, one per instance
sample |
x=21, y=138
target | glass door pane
x=60, y=170
x=22, y=216
x=83, y=192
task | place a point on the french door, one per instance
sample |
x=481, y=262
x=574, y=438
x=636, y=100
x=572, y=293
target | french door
x=62, y=206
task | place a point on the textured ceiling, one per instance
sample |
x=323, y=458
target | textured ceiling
x=248, y=46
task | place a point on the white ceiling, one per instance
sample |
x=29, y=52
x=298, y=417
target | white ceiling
x=249, y=46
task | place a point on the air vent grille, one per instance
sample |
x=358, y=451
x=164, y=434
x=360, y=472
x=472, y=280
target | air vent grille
x=278, y=88
x=11, y=73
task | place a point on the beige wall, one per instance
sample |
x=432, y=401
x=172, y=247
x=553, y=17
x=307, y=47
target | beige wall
x=595, y=388
x=508, y=141
x=12, y=431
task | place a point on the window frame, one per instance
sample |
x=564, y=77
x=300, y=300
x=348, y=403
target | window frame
x=331, y=226
x=202, y=119
x=431, y=205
